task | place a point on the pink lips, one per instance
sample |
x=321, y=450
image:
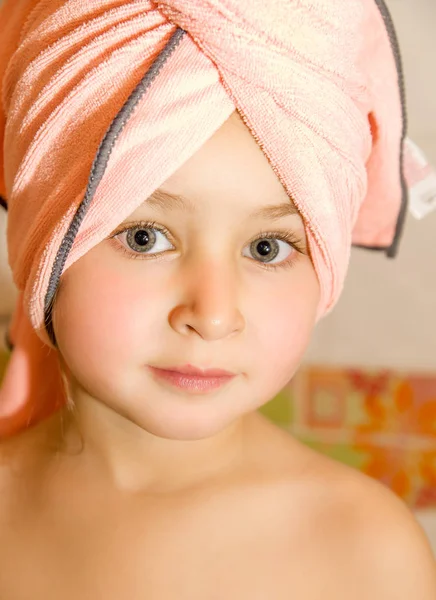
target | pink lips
x=195, y=371
x=193, y=379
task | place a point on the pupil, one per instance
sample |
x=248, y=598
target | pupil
x=264, y=248
x=141, y=237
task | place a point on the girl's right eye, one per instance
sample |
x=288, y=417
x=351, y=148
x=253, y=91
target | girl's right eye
x=145, y=239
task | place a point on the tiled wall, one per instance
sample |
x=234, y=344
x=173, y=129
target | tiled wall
x=382, y=423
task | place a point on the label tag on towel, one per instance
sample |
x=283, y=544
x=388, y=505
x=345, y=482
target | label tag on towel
x=421, y=180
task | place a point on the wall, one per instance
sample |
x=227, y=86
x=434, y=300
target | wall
x=387, y=313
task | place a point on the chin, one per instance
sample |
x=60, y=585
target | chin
x=190, y=419
x=184, y=429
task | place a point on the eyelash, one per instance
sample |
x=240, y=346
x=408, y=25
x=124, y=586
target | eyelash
x=284, y=236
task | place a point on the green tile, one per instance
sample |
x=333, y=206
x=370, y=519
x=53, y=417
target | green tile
x=340, y=452
x=279, y=409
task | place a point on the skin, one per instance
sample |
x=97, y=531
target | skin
x=205, y=303
x=139, y=490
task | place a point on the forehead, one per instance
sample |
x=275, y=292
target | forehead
x=229, y=164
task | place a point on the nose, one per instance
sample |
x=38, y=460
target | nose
x=209, y=306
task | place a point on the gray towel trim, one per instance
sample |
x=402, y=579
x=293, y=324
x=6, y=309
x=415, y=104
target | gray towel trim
x=97, y=171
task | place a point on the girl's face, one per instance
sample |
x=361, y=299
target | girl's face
x=215, y=279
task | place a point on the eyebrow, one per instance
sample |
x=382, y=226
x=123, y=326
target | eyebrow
x=169, y=201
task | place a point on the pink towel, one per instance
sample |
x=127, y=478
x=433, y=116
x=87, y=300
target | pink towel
x=90, y=88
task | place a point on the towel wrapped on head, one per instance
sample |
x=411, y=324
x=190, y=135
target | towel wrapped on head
x=91, y=88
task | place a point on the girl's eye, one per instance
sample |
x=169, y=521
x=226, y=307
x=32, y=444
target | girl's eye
x=144, y=240
x=271, y=249
x=267, y=249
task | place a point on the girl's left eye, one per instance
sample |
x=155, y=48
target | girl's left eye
x=268, y=248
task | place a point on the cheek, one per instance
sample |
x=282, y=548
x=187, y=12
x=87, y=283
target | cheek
x=100, y=317
x=286, y=318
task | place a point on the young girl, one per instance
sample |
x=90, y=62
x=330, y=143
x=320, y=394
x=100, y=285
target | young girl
x=182, y=181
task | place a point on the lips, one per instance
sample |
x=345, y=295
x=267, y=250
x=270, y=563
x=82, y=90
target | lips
x=198, y=372
x=193, y=380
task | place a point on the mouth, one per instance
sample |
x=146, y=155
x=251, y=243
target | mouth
x=193, y=379
x=198, y=371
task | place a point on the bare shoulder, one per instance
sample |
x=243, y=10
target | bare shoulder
x=366, y=527
x=23, y=454
x=388, y=542
x=13, y=453
x=24, y=459
x=11, y=450
x=339, y=516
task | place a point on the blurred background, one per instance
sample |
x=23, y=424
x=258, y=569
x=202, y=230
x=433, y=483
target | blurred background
x=366, y=393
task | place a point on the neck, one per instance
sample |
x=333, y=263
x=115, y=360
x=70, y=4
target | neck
x=133, y=458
